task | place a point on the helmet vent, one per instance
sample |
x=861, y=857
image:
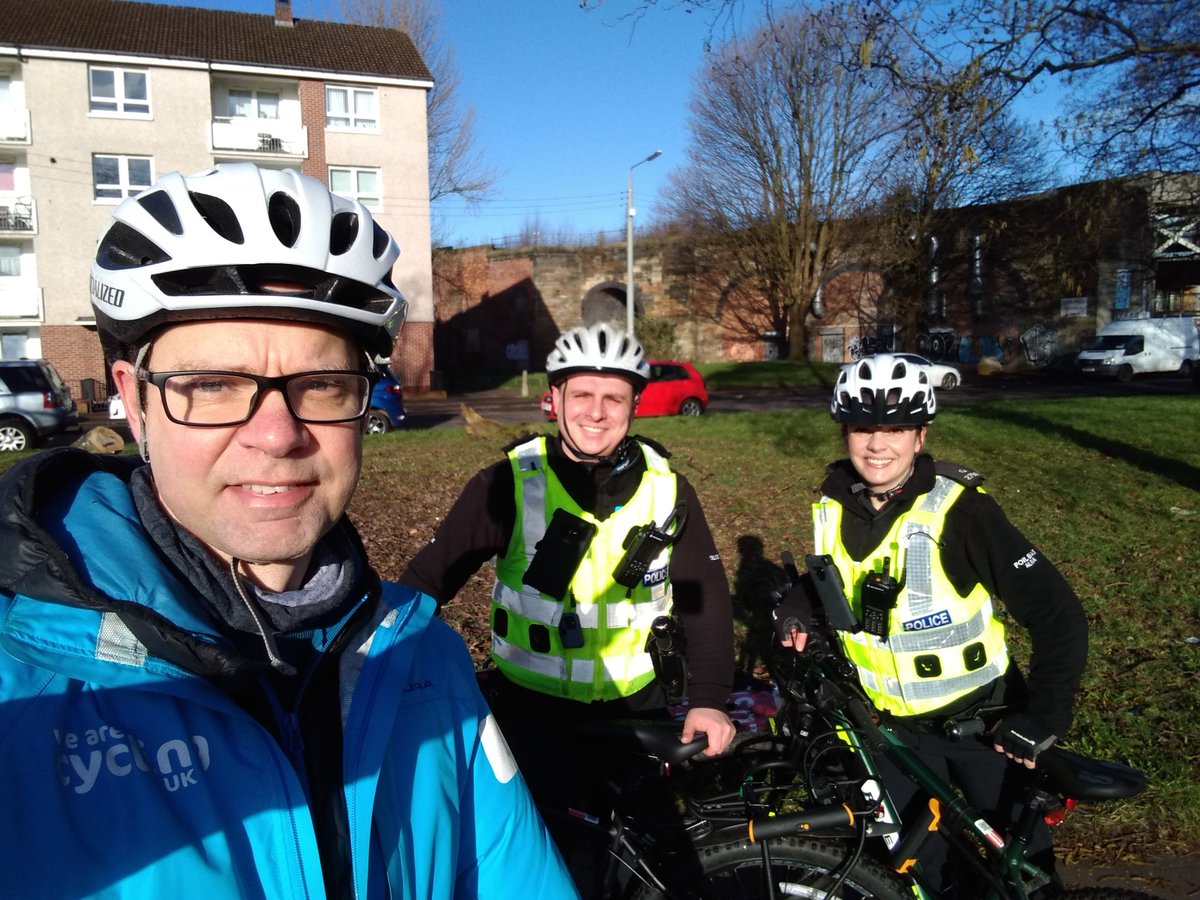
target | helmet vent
x=124, y=248
x=380, y=244
x=342, y=232
x=284, y=214
x=159, y=205
x=219, y=216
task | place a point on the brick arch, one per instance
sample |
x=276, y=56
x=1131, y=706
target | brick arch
x=605, y=302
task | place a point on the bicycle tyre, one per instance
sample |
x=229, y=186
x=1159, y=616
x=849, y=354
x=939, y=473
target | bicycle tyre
x=803, y=868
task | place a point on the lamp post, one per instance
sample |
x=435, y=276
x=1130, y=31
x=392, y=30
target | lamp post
x=629, y=214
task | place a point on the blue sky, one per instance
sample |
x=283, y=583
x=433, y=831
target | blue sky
x=565, y=101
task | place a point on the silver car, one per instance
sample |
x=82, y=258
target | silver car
x=35, y=403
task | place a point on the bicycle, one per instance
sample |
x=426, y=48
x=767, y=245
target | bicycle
x=788, y=812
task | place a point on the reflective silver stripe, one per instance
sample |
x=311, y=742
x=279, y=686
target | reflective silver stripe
x=583, y=670
x=941, y=489
x=944, y=636
x=626, y=613
x=533, y=493
x=541, y=663
x=116, y=643
x=628, y=668
x=918, y=543
x=932, y=688
x=530, y=604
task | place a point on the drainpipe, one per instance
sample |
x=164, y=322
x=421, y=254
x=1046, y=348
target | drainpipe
x=934, y=305
x=975, y=288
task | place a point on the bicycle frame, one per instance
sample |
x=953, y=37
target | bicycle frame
x=830, y=691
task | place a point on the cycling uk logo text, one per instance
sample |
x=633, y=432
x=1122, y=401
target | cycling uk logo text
x=87, y=756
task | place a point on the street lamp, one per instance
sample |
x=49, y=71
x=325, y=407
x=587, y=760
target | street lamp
x=629, y=214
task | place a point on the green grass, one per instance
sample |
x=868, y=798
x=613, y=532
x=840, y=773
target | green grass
x=1107, y=488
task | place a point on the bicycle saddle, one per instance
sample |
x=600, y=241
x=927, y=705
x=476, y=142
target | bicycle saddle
x=659, y=739
x=1084, y=778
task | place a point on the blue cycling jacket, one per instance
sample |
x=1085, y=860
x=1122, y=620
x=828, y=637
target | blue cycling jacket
x=125, y=775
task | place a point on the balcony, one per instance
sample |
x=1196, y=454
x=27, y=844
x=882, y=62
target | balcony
x=20, y=299
x=14, y=125
x=18, y=216
x=256, y=138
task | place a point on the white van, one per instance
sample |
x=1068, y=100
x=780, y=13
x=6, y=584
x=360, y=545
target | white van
x=1129, y=347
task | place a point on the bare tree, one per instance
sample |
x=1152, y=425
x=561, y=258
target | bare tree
x=784, y=134
x=456, y=167
x=1131, y=68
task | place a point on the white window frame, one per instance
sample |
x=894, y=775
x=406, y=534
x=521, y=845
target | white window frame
x=119, y=99
x=10, y=252
x=372, y=201
x=351, y=119
x=123, y=185
x=255, y=104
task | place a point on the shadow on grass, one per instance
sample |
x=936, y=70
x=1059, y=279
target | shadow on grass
x=755, y=582
x=1182, y=473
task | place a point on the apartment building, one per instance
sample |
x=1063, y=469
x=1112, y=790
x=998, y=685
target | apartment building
x=98, y=98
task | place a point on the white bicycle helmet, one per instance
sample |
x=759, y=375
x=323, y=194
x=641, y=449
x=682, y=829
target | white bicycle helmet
x=241, y=242
x=599, y=349
x=882, y=390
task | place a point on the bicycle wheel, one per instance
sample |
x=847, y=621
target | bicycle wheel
x=801, y=868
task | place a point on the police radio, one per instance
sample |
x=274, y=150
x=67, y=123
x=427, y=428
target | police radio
x=879, y=594
x=642, y=545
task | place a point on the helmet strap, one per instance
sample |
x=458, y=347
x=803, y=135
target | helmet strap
x=885, y=496
x=138, y=409
x=620, y=459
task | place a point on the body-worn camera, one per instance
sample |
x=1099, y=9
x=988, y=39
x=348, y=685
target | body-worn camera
x=559, y=553
x=643, y=543
x=879, y=594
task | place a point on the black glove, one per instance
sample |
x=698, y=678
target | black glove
x=1023, y=736
x=793, y=612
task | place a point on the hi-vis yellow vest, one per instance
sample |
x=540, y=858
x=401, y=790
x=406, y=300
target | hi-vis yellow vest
x=613, y=661
x=940, y=646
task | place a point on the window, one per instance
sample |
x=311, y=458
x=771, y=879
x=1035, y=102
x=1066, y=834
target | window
x=114, y=177
x=363, y=185
x=249, y=104
x=10, y=261
x=354, y=108
x=8, y=176
x=119, y=91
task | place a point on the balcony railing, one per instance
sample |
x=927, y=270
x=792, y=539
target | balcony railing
x=20, y=299
x=18, y=216
x=259, y=137
x=14, y=125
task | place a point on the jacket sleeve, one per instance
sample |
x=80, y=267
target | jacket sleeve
x=514, y=857
x=476, y=528
x=984, y=547
x=703, y=606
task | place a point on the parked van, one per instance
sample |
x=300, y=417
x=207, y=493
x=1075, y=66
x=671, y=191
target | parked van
x=1129, y=347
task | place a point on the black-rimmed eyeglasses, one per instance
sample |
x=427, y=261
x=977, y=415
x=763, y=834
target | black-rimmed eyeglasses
x=203, y=397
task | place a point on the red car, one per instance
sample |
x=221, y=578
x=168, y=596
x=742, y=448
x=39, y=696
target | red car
x=675, y=388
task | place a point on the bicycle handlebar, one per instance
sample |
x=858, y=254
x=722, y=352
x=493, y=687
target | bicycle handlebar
x=764, y=828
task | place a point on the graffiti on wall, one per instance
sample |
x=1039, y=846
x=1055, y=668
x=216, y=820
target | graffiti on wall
x=947, y=346
x=858, y=346
x=1038, y=344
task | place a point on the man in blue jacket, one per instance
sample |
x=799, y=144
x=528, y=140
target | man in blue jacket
x=205, y=690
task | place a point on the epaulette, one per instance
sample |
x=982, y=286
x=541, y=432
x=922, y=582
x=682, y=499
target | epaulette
x=955, y=472
x=521, y=440
x=653, y=444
